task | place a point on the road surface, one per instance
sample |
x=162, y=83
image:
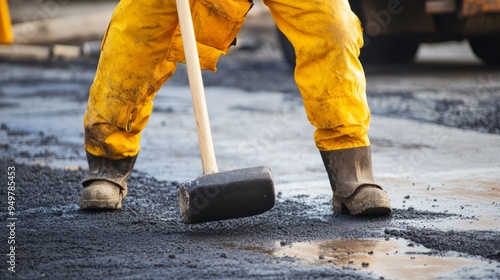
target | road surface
x=435, y=136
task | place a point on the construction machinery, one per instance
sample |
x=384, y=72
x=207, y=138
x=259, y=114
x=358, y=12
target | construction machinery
x=393, y=29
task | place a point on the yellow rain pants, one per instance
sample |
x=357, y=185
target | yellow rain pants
x=140, y=52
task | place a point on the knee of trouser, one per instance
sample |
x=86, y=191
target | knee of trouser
x=327, y=26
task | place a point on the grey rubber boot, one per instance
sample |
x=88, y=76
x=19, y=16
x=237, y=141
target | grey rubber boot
x=105, y=185
x=351, y=179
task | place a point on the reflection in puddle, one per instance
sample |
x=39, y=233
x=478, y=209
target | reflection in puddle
x=390, y=258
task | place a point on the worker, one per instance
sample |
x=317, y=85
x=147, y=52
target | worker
x=139, y=54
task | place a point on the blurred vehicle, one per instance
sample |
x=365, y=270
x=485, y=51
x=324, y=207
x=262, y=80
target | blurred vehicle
x=393, y=29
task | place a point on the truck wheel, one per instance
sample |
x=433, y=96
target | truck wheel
x=486, y=48
x=389, y=49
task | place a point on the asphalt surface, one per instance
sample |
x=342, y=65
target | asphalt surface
x=146, y=240
x=435, y=137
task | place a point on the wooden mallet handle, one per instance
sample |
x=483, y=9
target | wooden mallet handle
x=207, y=152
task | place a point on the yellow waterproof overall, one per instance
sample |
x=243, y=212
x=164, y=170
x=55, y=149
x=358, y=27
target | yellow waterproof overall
x=142, y=46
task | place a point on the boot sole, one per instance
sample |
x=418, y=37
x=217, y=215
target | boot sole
x=365, y=209
x=376, y=203
x=100, y=205
x=101, y=195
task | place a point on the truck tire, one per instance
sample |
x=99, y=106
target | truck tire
x=389, y=49
x=486, y=48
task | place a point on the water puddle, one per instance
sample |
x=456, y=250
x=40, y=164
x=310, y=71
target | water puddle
x=388, y=258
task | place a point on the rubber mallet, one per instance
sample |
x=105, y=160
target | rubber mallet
x=216, y=195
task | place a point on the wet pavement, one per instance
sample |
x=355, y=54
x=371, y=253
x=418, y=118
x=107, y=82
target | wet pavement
x=435, y=140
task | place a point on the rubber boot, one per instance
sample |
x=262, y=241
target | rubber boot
x=105, y=185
x=351, y=179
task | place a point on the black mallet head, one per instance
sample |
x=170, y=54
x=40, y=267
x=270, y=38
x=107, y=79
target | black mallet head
x=226, y=195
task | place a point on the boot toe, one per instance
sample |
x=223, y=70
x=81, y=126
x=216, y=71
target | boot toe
x=101, y=195
x=367, y=200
